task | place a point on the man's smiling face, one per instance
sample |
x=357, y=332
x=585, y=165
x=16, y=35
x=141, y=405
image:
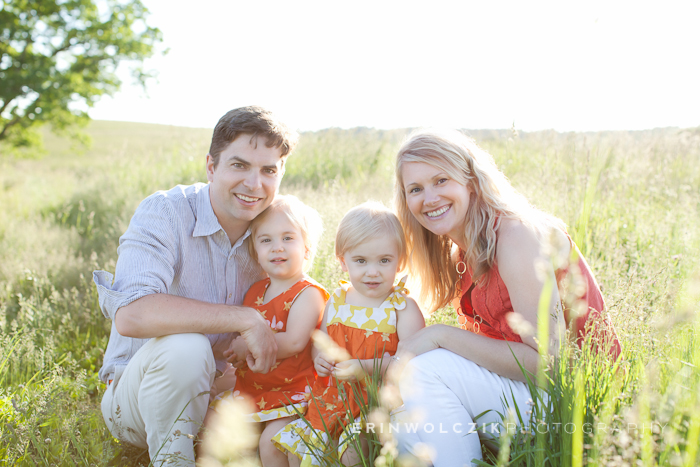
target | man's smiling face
x=244, y=182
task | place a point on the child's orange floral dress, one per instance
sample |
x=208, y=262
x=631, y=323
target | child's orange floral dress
x=285, y=389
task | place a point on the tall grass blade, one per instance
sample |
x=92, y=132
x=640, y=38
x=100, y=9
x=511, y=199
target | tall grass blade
x=579, y=408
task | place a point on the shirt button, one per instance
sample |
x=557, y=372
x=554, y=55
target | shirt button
x=229, y=295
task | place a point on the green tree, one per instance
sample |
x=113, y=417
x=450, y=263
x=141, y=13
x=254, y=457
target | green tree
x=57, y=57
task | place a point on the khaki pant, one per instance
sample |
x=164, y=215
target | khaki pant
x=162, y=397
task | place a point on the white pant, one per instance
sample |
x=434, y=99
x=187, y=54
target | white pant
x=443, y=392
x=158, y=400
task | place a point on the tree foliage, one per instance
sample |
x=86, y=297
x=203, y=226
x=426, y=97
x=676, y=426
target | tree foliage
x=57, y=57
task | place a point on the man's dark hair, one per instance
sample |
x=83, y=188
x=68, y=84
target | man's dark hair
x=254, y=121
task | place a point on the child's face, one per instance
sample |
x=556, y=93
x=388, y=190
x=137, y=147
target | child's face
x=372, y=266
x=280, y=247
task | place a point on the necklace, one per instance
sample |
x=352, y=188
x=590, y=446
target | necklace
x=477, y=320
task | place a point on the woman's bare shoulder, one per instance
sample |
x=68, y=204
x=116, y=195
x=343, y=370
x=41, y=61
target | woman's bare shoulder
x=515, y=236
x=515, y=231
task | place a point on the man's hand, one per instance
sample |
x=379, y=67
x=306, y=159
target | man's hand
x=262, y=347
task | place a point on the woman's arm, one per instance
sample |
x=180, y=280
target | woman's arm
x=525, y=266
x=519, y=255
x=493, y=354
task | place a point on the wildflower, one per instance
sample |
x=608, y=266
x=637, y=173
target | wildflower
x=326, y=345
x=519, y=324
x=229, y=436
x=390, y=448
x=390, y=396
x=424, y=452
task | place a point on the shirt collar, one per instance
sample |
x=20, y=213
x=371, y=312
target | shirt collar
x=206, y=222
x=240, y=241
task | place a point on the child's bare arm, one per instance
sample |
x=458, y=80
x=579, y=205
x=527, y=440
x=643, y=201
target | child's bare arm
x=323, y=364
x=304, y=316
x=409, y=320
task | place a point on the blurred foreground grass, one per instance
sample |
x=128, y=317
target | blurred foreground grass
x=631, y=200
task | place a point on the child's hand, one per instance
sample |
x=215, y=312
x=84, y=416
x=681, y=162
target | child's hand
x=323, y=365
x=236, y=353
x=349, y=370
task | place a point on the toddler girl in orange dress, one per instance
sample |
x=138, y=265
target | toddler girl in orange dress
x=366, y=317
x=283, y=240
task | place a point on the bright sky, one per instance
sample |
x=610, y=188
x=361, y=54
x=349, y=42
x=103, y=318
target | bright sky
x=589, y=65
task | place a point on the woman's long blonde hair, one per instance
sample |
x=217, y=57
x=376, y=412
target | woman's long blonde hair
x=492, y=197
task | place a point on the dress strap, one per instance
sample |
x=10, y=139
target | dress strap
x=304, y=284
x=339, y=294
x=397, y=297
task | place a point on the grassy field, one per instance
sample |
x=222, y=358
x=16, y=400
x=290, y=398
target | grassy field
x=631, y=201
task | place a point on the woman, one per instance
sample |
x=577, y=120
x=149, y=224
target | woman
x=478, y=243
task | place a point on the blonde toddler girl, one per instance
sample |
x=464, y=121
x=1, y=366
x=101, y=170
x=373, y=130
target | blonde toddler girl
x=283, y=240
x=366, y=317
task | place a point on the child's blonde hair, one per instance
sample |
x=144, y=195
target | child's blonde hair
x=302, y=216
x=369, y=220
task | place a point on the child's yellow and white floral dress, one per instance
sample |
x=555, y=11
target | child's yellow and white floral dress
x=335, y=406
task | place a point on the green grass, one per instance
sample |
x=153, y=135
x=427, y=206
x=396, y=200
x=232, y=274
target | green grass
x=631, y=200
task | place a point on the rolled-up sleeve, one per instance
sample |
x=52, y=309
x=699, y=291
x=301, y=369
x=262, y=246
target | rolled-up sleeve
x=147, y=256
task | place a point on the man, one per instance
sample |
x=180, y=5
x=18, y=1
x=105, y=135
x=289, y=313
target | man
x=183, y=268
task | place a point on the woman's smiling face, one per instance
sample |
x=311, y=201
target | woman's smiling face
x=437, y=201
